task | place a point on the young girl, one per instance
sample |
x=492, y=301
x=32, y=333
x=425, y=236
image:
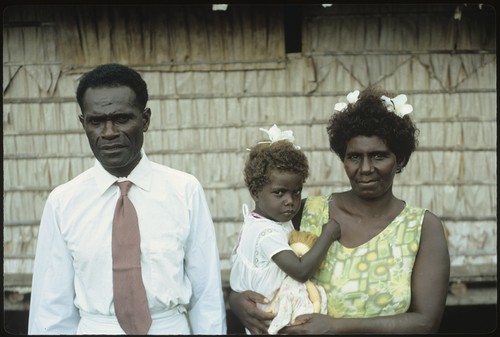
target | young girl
x=275, y=172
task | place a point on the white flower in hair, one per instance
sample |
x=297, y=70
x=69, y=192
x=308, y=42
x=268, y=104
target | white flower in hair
x=275, y=134
x=397, y=105
x=352, y=98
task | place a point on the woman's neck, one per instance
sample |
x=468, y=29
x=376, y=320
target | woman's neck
x=369, y=208
x=361, y=219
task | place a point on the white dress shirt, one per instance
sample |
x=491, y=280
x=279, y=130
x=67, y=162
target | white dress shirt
x=72, y=276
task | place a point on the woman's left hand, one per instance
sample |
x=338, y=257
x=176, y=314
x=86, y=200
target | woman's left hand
x=309, y=324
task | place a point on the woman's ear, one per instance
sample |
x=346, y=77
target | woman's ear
x=399, y=165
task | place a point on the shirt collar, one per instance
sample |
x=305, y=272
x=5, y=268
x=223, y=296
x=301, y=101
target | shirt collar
x=141, y=175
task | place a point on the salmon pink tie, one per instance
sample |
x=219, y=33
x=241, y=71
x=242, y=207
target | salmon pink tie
x=129, y=294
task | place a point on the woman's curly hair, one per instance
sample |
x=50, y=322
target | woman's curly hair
x=369, y=117
x=265, y=157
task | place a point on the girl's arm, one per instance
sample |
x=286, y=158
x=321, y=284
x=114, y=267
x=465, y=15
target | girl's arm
x=244, y=304
x=302, y=268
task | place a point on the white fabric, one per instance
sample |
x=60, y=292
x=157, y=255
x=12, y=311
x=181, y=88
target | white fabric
x=292, y=300
x=252, y=267
x=174, y=321
x=180, y=261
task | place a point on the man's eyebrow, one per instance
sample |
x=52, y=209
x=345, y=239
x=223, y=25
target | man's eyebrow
x=106, y=116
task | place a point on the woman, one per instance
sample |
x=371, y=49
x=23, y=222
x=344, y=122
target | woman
x=389, y=271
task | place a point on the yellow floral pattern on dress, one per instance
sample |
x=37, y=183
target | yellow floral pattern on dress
x=373, y=279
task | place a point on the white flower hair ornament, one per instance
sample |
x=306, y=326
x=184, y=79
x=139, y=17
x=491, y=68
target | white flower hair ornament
x=275, y=134
x=352, y=98
x=397, y=105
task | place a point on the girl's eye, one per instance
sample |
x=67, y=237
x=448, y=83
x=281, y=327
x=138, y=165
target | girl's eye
x=278, y=193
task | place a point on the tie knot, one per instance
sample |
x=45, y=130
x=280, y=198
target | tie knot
x=124, y=186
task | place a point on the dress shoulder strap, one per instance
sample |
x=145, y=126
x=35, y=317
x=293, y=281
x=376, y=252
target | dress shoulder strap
x=315, y=213
x=244, y=210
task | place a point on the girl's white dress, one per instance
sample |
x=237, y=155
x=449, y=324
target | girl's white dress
x=252, y=267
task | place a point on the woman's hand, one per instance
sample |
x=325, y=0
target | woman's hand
x=244, y=306
x=309, y=324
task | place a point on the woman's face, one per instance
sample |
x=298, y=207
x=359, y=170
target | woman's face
x=370, y=166
x=279, y=200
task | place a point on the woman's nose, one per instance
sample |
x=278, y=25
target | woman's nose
x=366, y=165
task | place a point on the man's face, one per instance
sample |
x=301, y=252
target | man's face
x=114, y=126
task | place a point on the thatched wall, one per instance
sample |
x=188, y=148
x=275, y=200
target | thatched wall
x=216, y=77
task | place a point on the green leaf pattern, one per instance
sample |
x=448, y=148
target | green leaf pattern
x=373, y=279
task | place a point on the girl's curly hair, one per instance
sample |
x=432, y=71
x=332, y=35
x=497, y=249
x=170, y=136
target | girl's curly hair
x=369, y=117
x=265, y=157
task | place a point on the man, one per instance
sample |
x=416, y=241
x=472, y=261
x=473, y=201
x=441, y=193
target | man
x=73, y=288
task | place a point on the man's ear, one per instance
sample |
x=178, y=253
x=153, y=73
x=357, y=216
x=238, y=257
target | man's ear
x=82, y=120
x=146, y=118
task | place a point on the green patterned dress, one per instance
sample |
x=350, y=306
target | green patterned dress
x=373, y=279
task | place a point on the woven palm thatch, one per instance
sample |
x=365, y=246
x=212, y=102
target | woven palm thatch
x=215, y=78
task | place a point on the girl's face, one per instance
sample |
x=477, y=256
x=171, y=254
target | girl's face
x=370, y=166
x=279, y=200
